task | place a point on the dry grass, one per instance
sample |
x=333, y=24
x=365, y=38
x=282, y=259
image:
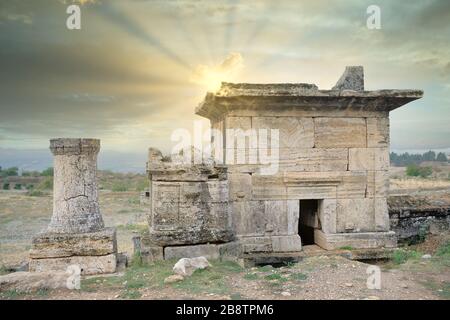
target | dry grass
x=22, y=216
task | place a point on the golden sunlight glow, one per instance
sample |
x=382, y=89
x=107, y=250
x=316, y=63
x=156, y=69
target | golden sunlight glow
x=212, y=76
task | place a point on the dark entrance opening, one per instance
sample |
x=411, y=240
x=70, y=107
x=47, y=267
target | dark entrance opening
x=308, y=220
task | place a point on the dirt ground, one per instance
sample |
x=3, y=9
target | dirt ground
x=406, y=276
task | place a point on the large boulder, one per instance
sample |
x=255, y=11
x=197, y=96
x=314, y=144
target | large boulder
x=187, y=266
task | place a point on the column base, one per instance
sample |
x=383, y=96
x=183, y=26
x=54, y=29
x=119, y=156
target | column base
x=94, y=252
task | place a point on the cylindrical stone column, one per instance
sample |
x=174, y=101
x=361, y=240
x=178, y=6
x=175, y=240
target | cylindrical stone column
x=75, y=195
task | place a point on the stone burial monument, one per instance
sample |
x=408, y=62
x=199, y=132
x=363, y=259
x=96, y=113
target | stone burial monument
x=76, y=234
x=330, y=187
x=190, y=214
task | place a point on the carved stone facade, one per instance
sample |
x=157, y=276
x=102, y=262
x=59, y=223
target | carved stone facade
x=331, y=183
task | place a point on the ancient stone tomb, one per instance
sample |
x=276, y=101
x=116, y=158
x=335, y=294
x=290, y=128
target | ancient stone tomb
x=331, y=185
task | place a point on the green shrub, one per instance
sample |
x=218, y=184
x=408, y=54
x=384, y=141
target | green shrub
x=414, y=170
x=444, y=250
x=142, y=184
x=119, y=187
x=35, y=193
x=400, y=256
x=9, y=172
x=46, y=184
x=299, y=276
x=47, y=172
x=251, y=276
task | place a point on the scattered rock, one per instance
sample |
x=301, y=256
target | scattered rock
x=187, y=266
x=286, y=294
x=348, y=284
x=426, y=256
x=173, y=278
x=404, y=285
x=31, y=281
x=23, y=266
x=372, y=298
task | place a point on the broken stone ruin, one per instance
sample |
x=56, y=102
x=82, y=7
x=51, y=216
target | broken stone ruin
x=330, y=188
x=76, y=234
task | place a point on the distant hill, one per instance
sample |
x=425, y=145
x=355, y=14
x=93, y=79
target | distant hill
x=40, y=159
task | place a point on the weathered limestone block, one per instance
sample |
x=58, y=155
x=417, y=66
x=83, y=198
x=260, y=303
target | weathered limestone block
x=355, y=215
x=340, y=132
x=353, y=185
x=238, y=123
x=311, y=191
x=327, y=215
x=75, y=197
x=314, y=159
x=361, y=240
x=268, y=187
x=378, y=132
x=256, y=244
x=33, y=281
x=291, y=243
x=382, y=222
x=368, y=159
x=293, y=212
x=377, y=184
x=351, y=79
x=56, y=245
x=218, y=190
x=240, y=185
x=276, y=216
x=210, y=251
x=88, y=264
x=294, y=132
x=237, y=133
x=249, y=218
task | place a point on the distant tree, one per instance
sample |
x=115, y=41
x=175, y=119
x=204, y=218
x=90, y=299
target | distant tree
x=31, y=173
x=429, y=156
x=10, y=172
x=441, y=157
x=47, y=172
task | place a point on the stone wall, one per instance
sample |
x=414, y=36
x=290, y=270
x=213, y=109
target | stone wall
x=342, y=161
x=414, y=217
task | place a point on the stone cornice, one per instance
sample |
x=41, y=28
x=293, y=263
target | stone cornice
x=300, y=96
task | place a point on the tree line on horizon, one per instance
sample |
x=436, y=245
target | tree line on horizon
x=407, y=159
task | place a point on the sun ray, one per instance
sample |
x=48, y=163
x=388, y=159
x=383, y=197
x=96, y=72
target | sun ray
x=120, y=18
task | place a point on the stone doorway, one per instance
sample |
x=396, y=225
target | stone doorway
x=308, y=220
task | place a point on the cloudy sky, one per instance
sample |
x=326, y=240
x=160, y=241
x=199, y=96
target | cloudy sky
x=137, y=69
